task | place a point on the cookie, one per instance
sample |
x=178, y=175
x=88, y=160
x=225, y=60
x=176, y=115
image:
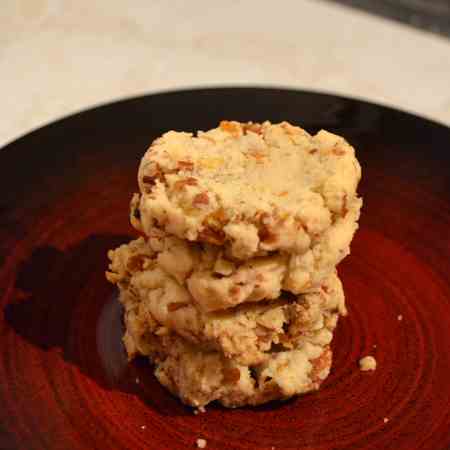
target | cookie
x=199, y=377
x=217, y=282
x=250, y=188
x=159, y=300
x=227, y=283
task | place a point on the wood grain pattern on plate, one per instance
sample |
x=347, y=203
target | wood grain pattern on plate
x=64, y=379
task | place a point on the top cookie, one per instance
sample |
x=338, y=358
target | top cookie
x=251, y=188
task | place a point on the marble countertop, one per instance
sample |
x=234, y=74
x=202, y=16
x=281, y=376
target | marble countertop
x=59, y=56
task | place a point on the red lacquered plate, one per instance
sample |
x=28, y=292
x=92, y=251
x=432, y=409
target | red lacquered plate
x=64, y=379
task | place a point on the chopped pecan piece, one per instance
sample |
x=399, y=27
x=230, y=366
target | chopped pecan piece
x=344, y=210
x=216, y=237
x=161, y=222
x=338, y=151
x=233, y=128
x=216, y=219
x=231, y=375
x=257, y=155
x=220, y=215
x=185, y=182
x=201, y=199
x=253, y=127
x=264, y=338
x=174, y=306
x=320, y=364
x=234, y=290
x=113, y=277
x=154, y=173
x=266, y=235
x=135, y=263
x=185, y=165
x=152, y=170
x=301, y=225
x=283, y=338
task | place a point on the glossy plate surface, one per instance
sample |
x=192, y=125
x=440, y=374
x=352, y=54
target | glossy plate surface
x=64, y=380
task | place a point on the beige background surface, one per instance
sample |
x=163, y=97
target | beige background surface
x=57, y=56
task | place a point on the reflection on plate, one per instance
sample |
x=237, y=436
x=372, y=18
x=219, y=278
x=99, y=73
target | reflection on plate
x=65, y=381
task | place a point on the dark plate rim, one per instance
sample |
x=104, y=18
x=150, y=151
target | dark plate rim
x=224, y=87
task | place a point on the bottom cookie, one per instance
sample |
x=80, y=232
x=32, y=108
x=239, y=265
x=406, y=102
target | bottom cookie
x=199, y=377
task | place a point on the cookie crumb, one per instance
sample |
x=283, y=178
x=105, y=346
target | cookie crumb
x=200, y=409
x=201, y=443
x=385, y=420
x=367, y=363
x=399, y=317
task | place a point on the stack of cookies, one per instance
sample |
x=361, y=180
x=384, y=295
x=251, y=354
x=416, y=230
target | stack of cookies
x=232, y=290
